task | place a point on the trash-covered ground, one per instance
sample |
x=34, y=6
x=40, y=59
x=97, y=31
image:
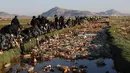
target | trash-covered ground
x=81, y=50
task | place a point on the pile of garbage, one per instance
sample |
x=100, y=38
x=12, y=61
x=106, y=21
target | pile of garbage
x=71, y=47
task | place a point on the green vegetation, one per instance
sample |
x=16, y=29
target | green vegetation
x=9, y=55
x=8, y=21
x=120, y=29
x=122, y=41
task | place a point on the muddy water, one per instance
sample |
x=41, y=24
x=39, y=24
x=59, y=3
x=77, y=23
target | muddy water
x=91, y=65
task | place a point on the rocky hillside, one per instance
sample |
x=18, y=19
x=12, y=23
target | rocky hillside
x=70, y=13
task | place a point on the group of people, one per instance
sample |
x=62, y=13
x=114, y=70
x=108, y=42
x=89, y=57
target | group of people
x=39, y=26
x=42, y=25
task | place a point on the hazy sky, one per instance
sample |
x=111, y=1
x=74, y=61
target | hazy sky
x=35, y=7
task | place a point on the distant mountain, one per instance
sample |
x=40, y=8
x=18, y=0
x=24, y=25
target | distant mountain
x=7, y=15
x=111, y=12
x=70, y=13
x=65, y=12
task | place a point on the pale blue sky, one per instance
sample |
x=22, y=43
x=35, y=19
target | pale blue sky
x=35, y=7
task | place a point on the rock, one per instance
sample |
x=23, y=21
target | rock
x=48, y=69
x=27, y=56
x=31, y=69
x=75, y=71
x=64, y=69
x=52, y=70
x=82, y=71
x=78, y=71
x=100, y=63
x=1, y=52
x=7, y=65
x=82, y=66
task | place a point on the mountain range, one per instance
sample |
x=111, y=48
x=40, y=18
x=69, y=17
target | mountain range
x=7, y=15
x=68, y=13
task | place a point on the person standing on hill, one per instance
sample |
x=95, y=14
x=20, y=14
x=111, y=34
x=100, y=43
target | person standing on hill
x=61, y=22
x=69, y=22
x=77, y=20
x=56, y=21
x=39, y=19
x=15, y=26
x=34, y=23
x=15, y=21
x=39, y=22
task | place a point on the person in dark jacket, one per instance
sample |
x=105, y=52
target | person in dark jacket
x=61, y=22
x=34, y=23
x=15, y=25
x=68, y=23
x=56, y=21
x=15, y=21
x=39, y=21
